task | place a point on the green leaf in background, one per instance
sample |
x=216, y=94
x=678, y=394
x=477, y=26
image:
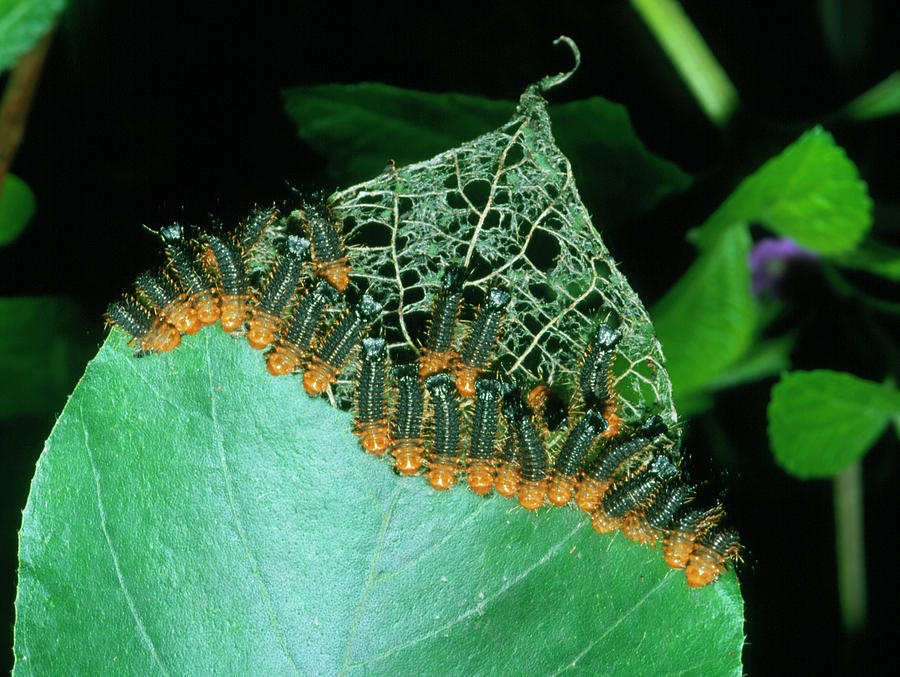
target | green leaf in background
x=811, y=192
x=16, y=208
x=359, y=128
x=22, y=24
x=873, y=257
x=882, y=100
x=629, y=179
x=41, y=342
x=822, y=421
x=192, y=515
x=707, y=320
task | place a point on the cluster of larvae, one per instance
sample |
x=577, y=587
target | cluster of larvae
x=447, y=415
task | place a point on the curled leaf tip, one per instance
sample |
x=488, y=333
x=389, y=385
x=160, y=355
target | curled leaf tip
x=551, y=81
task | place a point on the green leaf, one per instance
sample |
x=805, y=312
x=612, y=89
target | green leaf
x=40, y=349
x=822, y=421
x=193, y=515
x=873, y=257
x=16, y=208
x=707, y=320
x=359, y=128
x=811, y=192
x=22, y=24
x=630, y=179
x=880, y=101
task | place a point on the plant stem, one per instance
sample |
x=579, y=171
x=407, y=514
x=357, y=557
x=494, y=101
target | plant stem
x=691, y=57
x=16, y=101
x=850, y=541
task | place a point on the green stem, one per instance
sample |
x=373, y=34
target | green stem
x=692, y=58
x=850, y=541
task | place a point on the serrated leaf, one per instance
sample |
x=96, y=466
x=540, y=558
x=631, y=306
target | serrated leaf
x=359, y=128
x=822, y=421
x=22, y=24
x=193, y=515
x=707, y=320
x=811, y=192
x=16, y=208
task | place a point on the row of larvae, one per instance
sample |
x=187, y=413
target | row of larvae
x=205, y=281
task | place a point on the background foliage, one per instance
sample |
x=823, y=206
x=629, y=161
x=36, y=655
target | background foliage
x=175, y=134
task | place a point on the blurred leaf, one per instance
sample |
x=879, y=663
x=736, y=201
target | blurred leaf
x=873, y=257
x=880, y=101
x=822, y=421
x=22, y=24
x=612, y=164
x=359, y=128
x=16, y=208
x=764, y=359
x=707, y=320
x=811, y=193
x=40, y=350
x=193, y=515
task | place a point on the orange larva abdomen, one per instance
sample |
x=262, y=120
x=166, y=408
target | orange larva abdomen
x=283, y=360
x=635, y=528
x=612, y=418
x=442, y=475
x=560, y=490
x=507, y=481
x=161, y=337
x=317, y=377
x=234, y=311
x=407, y=456
x=532, y=494
x=603, y=522
x=207, y=307
x=183, y=316
x=465, y=380
x=431, y=363
x=590, y=492
x=374, y=437
x=262, y=328
x=677, y=549
x=480, y=475
x=704, y=566
x=335, y=273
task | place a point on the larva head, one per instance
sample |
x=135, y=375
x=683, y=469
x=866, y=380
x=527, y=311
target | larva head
x=374, y=349
x=453, y=278
x=442, y=475
x=606, y=338
x=368, y=308
x=480, y=475
x=707, y=561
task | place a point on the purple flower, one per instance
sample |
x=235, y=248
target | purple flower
x=769, y=261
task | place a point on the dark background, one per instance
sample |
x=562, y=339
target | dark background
x=149, y=113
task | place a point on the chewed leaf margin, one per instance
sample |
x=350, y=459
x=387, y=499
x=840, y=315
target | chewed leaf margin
x=505, y=205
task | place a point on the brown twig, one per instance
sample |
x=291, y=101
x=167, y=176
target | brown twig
x=16, y=101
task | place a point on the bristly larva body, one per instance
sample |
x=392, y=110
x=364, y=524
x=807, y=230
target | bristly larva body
x=330, y=356
x=293, y=344
x=437, y=353
x=329, y=255
x=193, y=279
x=480, y=468
x=443, y=461
x=234, y=298
x=577, y=445
x=151, y=334
x=481, y=340
x=265, y=317
x=371, y=422
x=407, y=443
x=171, y=305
